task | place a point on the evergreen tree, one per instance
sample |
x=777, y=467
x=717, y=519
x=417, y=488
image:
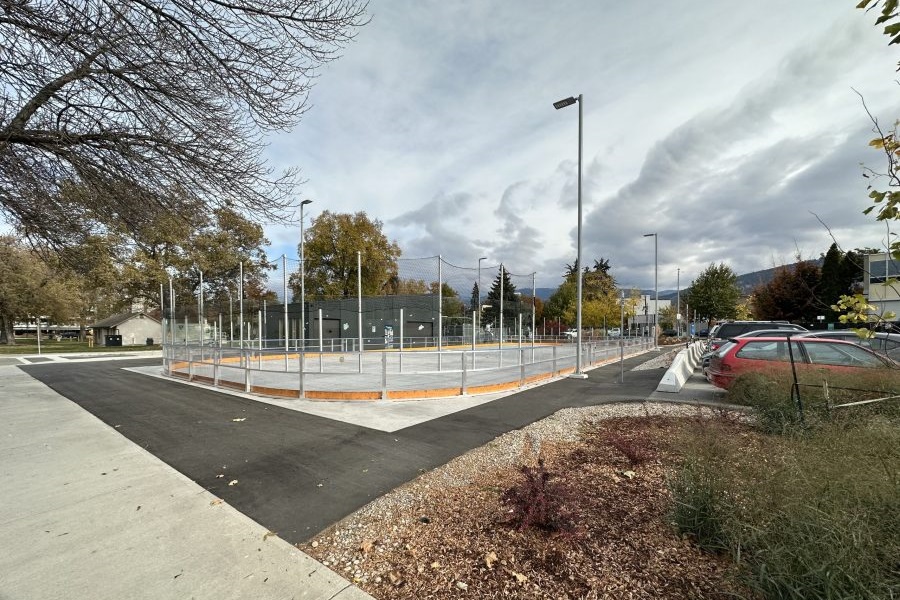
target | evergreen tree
x=510, y=301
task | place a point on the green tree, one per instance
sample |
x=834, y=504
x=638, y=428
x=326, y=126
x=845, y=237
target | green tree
x=511, y=304
x=841, y=273
x=791, y=295
x=600, y=301
x=332, y=243
x=715, y=294
x=161, y=95
x=217, y=246
x=30, y=287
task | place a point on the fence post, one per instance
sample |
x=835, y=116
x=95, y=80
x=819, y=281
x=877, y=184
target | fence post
x=246, y=371
x=302, y=361
x=464, y=389
x=554, y=360
x=190, y=364
x=384, y=394
x=521, y=363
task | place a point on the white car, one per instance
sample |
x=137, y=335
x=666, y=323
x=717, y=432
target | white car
x=571, y=333
x=614, y=332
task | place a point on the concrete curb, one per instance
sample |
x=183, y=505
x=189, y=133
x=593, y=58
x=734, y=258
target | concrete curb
x=681, y=369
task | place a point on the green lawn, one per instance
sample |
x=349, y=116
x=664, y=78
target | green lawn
x=29, y=346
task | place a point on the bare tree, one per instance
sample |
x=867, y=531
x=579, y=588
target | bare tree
x=151, y=106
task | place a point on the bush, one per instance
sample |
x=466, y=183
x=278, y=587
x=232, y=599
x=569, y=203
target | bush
x=536, y=502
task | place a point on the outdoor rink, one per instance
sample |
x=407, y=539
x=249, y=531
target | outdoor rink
x=388, y=374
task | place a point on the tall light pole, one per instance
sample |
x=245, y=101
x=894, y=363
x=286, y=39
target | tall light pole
x=655, y=286
x=578, y=374
x=302, y=280
x=478, y=308
x=678, y=303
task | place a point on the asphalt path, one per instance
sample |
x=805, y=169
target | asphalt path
x=296, y=473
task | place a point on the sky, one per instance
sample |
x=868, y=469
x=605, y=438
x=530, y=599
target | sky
x=733, y=130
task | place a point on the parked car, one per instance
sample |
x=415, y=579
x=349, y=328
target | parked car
x=707, y=356
x=883, y=343
x=571, y=334
x=731, y=329
x=772, y=354
x=614, y=332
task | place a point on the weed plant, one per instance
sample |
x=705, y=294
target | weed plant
x=539, y=503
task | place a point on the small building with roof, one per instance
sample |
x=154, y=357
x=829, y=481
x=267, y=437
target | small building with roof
x=127, y=329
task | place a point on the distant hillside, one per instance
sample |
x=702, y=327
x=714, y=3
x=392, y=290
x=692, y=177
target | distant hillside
x=745, y=282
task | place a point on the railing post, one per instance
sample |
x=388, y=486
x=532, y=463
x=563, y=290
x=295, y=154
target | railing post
x=554, y=360
x=464, y=388
x=190, y=364
x=521, y=363
x=246, y=371
x=217, y=358
x=302, y=361
x=384, y=394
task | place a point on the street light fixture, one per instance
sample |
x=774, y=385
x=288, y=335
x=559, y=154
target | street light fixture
x=655, y=286
x=303, y=280
x=578, y=374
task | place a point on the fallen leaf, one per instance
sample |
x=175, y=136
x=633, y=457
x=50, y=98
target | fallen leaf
x=395, y=578
x=238, y=420
x=216, y=501
x=220, y=475
x=462, y=585
x=629, y=474
x=519, y=577
x=421, y=569
x=269, y=534
x=435, y=565
x=366, y=546
x=489, y=559
x=232, y=482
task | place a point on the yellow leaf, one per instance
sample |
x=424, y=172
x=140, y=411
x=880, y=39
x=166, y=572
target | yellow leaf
x=489, y=559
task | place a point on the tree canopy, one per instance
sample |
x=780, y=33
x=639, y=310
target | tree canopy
x=600, y=302
x=332, y=243
x=715, y=294
x=153, y=107
x=791, y=295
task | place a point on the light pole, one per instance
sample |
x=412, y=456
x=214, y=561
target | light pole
x=678, y=303
x=479, y=291
x=302, y=280
x=578, y=374
x=655, y=285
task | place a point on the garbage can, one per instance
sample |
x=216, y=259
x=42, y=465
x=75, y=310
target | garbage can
x=113, y=340
x=149, y=341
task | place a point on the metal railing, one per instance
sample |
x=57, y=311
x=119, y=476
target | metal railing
x=339, y=371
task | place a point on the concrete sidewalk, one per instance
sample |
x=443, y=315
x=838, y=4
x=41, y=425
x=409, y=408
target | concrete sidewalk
x=85, y=513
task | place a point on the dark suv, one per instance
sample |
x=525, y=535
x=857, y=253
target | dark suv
x=731, y=329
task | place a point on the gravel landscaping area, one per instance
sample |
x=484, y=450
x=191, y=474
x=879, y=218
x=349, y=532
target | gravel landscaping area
x=449, y=532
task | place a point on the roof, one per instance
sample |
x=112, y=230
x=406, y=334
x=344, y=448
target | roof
x=116, y=320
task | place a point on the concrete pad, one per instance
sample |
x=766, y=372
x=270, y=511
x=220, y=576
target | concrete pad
x=87, y=514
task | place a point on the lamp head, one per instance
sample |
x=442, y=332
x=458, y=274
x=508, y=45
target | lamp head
x=305, y=202
x=564, y=102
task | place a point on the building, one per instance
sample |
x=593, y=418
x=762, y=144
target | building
x=127, y=329
x=881, y=283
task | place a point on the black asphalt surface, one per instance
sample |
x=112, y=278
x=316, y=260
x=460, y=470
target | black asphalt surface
x=297, y=473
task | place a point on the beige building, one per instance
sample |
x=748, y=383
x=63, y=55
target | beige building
x=127, y=329
x=881, y=283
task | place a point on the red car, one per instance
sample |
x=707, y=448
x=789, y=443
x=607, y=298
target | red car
x=771, y=354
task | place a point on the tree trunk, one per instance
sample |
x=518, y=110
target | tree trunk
x=7, y=335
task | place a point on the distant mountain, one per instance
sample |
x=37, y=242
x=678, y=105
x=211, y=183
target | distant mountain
x=745, y=282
